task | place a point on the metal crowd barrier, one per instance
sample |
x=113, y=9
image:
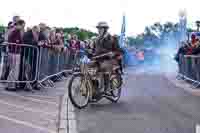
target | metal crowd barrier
x=17, y=60
x=18, y=64
x=52, y=64
x=22, y=63
x=189, y=69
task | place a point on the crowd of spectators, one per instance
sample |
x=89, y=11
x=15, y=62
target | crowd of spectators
x=39, y=35
x=191, y=47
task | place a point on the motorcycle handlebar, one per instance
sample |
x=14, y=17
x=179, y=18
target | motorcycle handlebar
x=110, y=54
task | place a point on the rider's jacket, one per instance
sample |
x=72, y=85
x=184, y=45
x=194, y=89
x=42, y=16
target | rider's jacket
x=106, y=44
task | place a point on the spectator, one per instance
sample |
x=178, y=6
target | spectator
x=1, y=38
x=52, y=37
x=56, y=39
x=32, y=37
x=8, y=31
x=11, y=27
x=194, y=45
x=196, y=48
x=29, y=57
x=28, y=29
x=181, y=51
x=59, y=40
x=15, y=19
x=59, y=37
x=42, y=27
x=47, y=32
x=62, y=34
x=74, y=45
x=6, y=66
x=16, y=36
x=5, y=73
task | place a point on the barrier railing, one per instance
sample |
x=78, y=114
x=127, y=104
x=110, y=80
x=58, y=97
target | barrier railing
x=189, y=69
x=18, y=63
x=22, y=63
x=52, y=62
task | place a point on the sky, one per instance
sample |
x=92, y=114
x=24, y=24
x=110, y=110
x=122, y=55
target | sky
x=87, y=13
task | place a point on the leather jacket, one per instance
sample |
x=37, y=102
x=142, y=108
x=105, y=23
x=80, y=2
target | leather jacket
x=106, y=44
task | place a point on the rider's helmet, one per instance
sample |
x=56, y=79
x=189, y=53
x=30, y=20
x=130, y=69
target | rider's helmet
x=102, y=28
x=102, y=25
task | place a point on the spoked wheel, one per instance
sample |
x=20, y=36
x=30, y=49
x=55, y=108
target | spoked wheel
x=78, y=92
x=116, y=84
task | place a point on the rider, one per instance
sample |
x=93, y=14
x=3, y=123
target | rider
x=106, y=43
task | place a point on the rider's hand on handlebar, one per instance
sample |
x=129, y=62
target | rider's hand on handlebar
x=103, y=56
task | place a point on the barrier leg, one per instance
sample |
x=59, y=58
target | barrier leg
x=179, y=77
x=47, y=83
x=29, y=87
x=51, y=83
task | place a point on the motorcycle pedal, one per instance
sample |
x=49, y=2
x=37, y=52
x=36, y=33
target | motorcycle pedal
x=107, y=94
x=93, y=100
x=109, y=90
x=109, y=97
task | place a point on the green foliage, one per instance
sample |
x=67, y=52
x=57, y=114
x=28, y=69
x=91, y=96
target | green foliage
x=2, y=29
x=190, y=30
x=81, y=33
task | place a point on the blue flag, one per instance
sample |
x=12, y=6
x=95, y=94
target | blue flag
x=122, y=41
x=123, y=31
x=128, y=59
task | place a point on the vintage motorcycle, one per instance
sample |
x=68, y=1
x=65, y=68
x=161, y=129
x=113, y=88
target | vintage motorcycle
x=89, y=82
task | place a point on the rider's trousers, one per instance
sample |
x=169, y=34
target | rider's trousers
x=106, y=81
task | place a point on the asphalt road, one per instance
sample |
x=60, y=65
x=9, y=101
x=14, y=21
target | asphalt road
x=150, y=103
x=26, y=112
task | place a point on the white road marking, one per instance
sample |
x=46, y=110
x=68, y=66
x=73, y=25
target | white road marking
x=197, y=128
x=55, y=88
x=27, y=124
x=39, y=96
x=72, y=126
x=72, y=118
x=28, y=109
x=31, y=99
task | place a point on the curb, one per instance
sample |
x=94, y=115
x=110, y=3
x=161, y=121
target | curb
x=182, y=84
x=72, y=123
x=67, y=120
x=62, y=127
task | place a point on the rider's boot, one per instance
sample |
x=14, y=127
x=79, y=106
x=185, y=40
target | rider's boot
x=97, y=94
x=106, y=82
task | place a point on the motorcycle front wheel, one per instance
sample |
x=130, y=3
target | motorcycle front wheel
x=78, y=91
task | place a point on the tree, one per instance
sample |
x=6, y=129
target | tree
x=2, y=29
x=82, y=35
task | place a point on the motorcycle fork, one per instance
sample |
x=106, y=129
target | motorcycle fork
x=88, y=81
x=101, y=81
